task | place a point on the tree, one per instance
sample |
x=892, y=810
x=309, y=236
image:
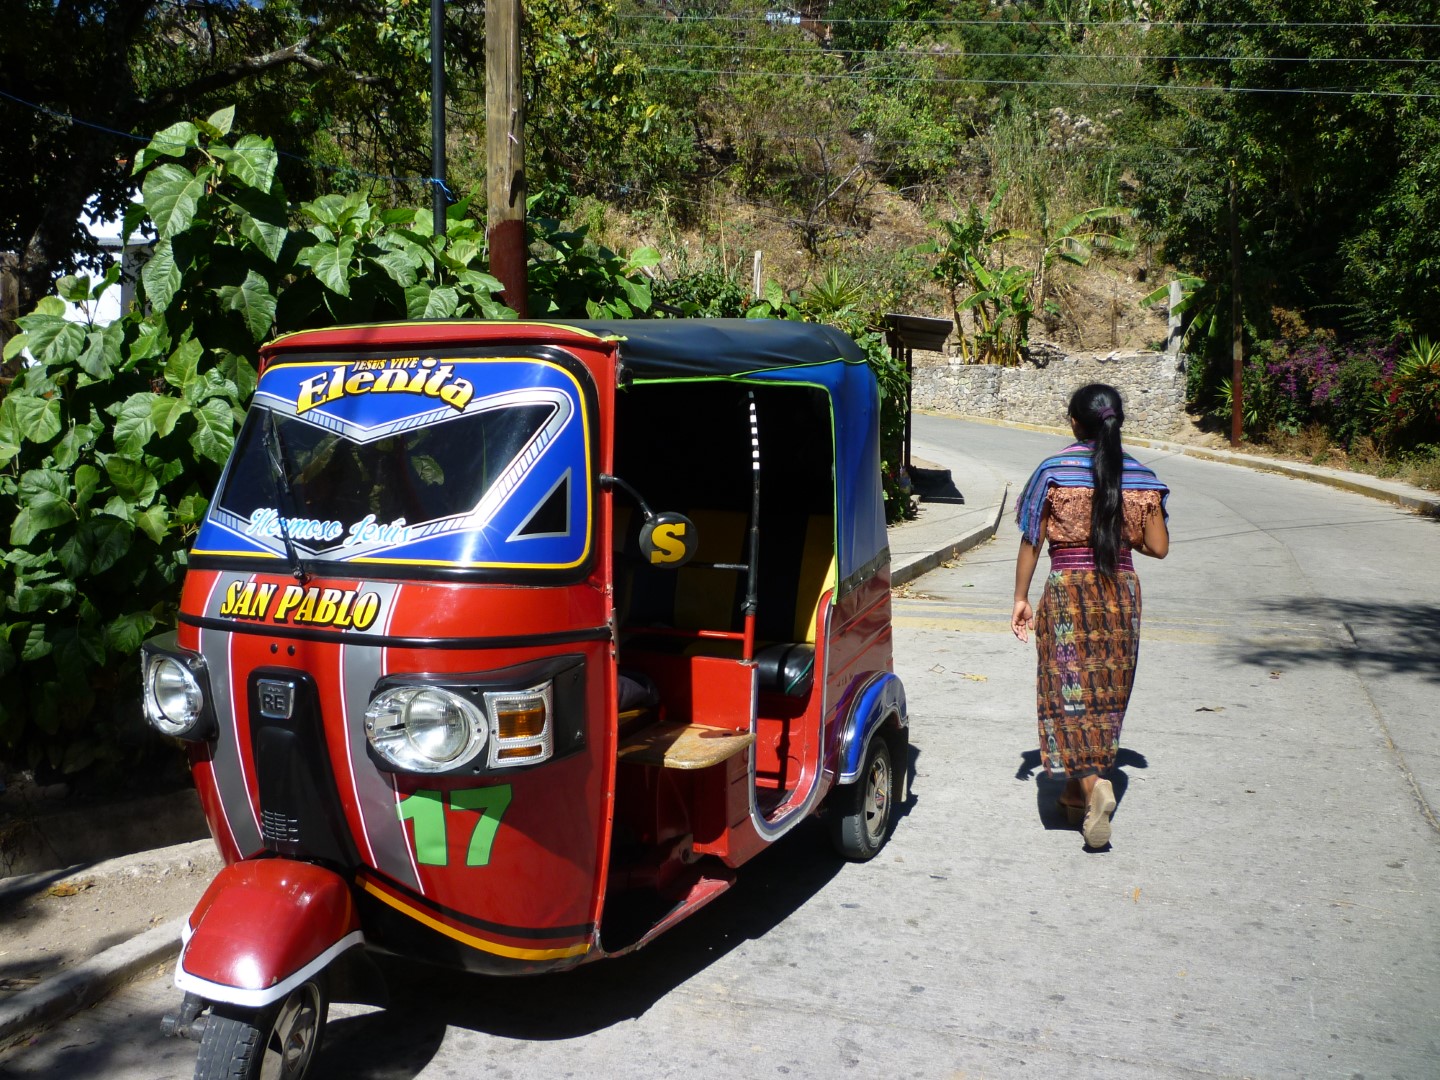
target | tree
x=113, y=437
x=1318, y=117
x=339, y=82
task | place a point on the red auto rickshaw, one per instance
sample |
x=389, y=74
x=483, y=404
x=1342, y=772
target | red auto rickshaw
x=503, y=645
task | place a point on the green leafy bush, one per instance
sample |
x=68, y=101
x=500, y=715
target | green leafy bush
x=1409, y=409
x=112, y=437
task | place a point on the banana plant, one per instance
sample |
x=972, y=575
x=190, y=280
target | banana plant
x=1002, y=308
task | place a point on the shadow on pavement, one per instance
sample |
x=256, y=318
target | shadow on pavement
x=397, y=1043
x=1398, y=639
x=1048, y=789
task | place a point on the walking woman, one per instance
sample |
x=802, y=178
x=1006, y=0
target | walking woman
x=1095, y=504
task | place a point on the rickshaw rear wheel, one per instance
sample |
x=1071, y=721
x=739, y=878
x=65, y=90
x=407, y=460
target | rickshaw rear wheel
x=863, y=813
x=277, y=1042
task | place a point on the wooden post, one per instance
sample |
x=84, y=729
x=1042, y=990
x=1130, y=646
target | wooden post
x=1174, y=334
x=1237, y=329
x=505, y=151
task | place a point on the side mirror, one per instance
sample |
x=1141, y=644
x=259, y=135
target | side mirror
x=668, y=540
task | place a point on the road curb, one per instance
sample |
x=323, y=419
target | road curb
x=924, y=564
x=87, y=982
x=1412, y=498
x=1360, y=483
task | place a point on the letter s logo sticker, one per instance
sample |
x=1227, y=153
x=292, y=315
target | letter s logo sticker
x=668, y=540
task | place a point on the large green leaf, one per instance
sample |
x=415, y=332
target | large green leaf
x=151, y=340
x=440, y=304
x=36, y=646
x=72, y=445
x=126, y=633
x=191, y=509
x=240, y=372
x=40, y=511
x=251, y=161
x=161, y=276
x=165, y=413
x=254, y=301
x=78, y=649
x=72, y=288
x=135, y=423
x=102, y=350
x=184, y=362
x=154, y=523
x=264, y=220
x=11, y=435
x=331, y=264
x=87, y=480
x=221, y=121
x=174, y=141
x=53, y=339
x=210, y=384
x=133, y=481
x=172, y=195
x=214, y=431
x=14, y=347
x=109, y=539
x=402, y=266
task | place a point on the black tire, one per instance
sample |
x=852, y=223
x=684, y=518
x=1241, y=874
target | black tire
x=277, y=1042
x=863, y=813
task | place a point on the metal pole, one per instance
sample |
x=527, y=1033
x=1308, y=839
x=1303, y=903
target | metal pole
x=437, y=113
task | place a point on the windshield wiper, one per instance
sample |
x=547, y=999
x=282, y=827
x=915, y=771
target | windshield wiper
x=275, y=451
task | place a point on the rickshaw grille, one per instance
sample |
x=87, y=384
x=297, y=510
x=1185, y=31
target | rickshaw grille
x=301, y=816
x=279, y=828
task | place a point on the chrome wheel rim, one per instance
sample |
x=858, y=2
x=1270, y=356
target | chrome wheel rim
x=877, y=799
x=291, y=1042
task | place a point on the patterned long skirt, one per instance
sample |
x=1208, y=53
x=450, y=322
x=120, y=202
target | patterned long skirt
x=1087, y=633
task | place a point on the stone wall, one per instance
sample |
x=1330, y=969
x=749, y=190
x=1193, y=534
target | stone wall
x=1152, y=386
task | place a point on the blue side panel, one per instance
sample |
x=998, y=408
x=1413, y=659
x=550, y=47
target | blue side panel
x=882, y=696
x=860, y=506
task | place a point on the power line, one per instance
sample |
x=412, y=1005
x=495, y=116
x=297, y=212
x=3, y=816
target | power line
x=914, y=79
x=1137, y=24
x=155, y=141
x=921, y=54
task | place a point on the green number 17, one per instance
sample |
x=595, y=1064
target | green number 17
x=426, y=809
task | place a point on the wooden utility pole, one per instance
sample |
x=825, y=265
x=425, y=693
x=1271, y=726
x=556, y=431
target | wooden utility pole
x=505, y=151
x=1237, y=328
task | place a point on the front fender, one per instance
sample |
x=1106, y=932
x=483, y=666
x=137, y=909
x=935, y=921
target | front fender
x=881, y=696
x=264, y=927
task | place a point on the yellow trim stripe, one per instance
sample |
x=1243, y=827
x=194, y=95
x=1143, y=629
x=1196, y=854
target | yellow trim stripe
x=469, y=939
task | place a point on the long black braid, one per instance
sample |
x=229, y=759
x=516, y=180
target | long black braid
x=1098, y=413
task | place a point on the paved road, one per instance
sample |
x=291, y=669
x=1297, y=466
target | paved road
x=1269, y=907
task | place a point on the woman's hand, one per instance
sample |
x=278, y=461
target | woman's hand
x=1022, y=619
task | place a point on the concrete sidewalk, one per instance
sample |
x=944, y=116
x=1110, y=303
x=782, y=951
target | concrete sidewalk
x=951, y=522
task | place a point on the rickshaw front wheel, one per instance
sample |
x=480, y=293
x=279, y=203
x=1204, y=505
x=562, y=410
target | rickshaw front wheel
x=862, y=813
x=277, y=1042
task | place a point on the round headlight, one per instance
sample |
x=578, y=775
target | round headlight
x=173, y=700
x=424, y=728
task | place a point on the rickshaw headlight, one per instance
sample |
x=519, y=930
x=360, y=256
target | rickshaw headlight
x=424, y=729
x=521, y=726
x=174, y=702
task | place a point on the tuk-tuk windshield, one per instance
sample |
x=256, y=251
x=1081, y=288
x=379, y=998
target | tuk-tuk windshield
x=501, y=481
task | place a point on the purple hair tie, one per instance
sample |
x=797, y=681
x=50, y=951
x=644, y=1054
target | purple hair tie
x=1105, y=412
